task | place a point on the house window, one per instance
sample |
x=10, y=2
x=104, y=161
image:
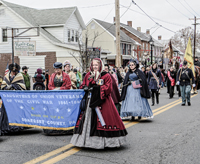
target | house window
x=72, y=36
x=69, y=38
x=124, y=49
x=76, y=36
x=129, y=49
x=4, y=35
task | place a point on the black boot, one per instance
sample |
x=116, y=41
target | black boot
x=153, y=99
x=157, y=97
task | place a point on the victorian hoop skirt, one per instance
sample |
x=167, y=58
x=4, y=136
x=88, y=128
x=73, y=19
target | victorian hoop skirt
x=89, y=131
x=134, y=104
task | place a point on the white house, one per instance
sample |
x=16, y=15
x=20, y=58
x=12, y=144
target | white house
x=60, y=29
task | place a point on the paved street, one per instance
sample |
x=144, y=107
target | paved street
x=173, y=136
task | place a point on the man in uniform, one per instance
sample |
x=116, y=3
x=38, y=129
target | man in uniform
x=196, y=62
x=183, y=79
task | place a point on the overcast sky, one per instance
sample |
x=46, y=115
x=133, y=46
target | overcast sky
x=171, y=14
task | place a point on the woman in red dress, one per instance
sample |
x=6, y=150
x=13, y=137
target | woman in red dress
x=89, y=131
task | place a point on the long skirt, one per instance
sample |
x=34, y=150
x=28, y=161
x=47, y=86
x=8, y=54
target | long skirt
x=85, y=140
x=135, y=105
x=5, y=127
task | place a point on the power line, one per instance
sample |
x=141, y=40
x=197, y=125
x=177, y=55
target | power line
x=177, y=9
x=191, y=7
x=155, y=30
x=126, y=10
x=152, y=18
x=185, y=7
x=155, y=17
x=104, y=19
x=98, y=5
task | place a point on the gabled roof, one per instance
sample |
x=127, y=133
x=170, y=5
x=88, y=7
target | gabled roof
x=135, y=32
x=35, y=17
x=111, y=29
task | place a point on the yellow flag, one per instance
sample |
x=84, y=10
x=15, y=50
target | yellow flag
x=189, y=56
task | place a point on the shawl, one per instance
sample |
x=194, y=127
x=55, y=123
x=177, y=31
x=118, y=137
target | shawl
x=144, y=90
x=17, y=83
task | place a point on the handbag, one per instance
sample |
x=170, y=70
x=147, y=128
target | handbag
x=136, y=84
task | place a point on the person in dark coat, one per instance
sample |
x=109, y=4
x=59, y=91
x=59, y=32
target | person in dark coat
x=183, y=79
x=115, y=93
x=134, y=100
x=13, y=80
x=89, y=131
x=171, y=81
x=196, y=62
x=154, y=82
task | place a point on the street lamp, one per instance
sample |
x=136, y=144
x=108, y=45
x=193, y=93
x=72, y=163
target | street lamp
x=151, y=42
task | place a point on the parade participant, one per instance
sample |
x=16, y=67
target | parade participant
x=183, y=78
x=171, y=81
x=26, y=77
x=154, y=82
x=91, y=130
x=115, y=92
x=39, y=78
x=77, y=79
x=13, y=80
x=144, y=71
x=59, y=80
x=47, y=78
x=69, y=71
x=196, y=62
x=134, y=99
x=1, y=80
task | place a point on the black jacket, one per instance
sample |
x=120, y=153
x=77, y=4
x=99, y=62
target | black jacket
x=186, y=75
x=144, y=91
x=197, y=63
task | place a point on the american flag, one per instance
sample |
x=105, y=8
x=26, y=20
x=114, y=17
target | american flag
x=7, y=70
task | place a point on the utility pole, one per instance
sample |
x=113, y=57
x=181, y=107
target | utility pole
x=117, y=26
x=86, y=53
x=195, y=24
x=13, y=59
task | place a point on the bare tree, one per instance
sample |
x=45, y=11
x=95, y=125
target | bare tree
x=180, y=39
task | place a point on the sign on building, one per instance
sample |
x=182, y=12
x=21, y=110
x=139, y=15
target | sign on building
x=25, y=48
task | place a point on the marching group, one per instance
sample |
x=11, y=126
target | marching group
x=117, y=92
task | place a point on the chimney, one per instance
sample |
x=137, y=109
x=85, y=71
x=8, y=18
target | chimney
x=139, y=29
x=148, y=32
x=129, y=23
x=113, y=20
x=159, y=37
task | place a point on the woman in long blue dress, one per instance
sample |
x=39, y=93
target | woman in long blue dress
x=135, y=101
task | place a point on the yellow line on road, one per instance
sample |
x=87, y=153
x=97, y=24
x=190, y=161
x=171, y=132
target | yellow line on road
x=62, y=156
x=76, y=149
x=52, y=153
x=165, y=106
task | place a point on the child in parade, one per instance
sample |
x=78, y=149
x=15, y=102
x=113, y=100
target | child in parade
x=134, y=99
x=105, y=129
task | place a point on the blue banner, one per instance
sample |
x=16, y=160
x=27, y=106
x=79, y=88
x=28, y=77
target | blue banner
x=57, y=110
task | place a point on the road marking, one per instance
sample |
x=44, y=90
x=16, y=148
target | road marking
x=155, y=110
x=62, y=156
x=76, y=149
x=52, y=153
